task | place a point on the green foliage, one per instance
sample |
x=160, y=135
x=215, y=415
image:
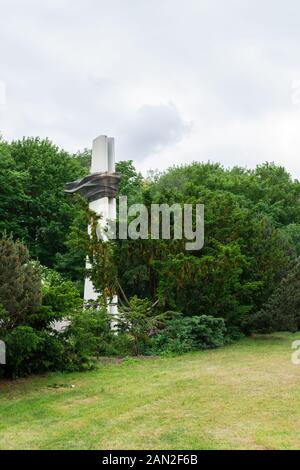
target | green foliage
x=174, y=338
x=13, y=197
x=103, y=272
x=131, y=182
x=22, y=346
x=247, y=247
x=33, y=205
x=292, y=234
x=209, y=284
x=71, y=262
x=59, y=294
x=207, y=331
x=31, y=299
x=32, y=351
x=60, y=298
x=252, y=240
x=120, y=345
x=250, y=235
x=183, y=334
x=88, y=336
x=282, y=311
x=140, y=322
x=36, y=349
x=84, y=158
x=20, y=282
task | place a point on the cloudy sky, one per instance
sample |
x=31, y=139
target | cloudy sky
x=172, y=80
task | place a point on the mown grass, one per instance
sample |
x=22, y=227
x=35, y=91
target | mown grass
x=243, y=396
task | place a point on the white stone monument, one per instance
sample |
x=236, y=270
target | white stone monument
x=100, y=188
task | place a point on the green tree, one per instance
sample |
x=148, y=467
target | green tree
x=282, y=311
x=140, y=321
x=13, y=198
x=251, y=232
x=20, y=283
x=32, y=199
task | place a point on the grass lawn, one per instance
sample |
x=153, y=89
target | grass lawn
x=243, y=396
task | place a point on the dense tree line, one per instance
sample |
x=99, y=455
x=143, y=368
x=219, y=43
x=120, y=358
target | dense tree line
x=245, y=277
x=252, y=228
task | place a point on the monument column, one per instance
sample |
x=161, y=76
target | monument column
x=100, y=188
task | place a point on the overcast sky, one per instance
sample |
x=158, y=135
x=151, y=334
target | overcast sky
x=172, y=80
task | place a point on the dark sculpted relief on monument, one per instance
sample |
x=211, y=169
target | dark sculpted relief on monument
x=95, y=186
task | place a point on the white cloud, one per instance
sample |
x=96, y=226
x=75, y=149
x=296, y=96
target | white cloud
x=152, y=129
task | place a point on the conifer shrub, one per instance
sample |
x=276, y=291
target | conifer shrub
x=183, y=334
x=282, y=311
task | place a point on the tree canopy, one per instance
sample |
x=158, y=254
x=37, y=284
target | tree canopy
x=33, y=206
x=252, y=229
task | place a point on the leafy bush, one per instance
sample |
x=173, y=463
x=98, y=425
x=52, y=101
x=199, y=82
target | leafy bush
x=140, y=322
x=121, y=344
x=60, y=298
x=207, y=332
x=22, y=345
x=31, y=351
x=233, y=333
x=175, y=336
x=88, y=336
x=183, y=334
x=31, y=299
